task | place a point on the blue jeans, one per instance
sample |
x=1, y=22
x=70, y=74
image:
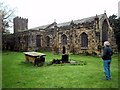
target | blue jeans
x=107, y=69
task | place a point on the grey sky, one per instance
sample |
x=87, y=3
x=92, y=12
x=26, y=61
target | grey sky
x=42, y=12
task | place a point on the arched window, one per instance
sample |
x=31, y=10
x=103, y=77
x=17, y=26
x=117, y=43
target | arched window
x=48, y=41
x=64, y=39
x=38, y=41
x=84, y=40
x=105, y=31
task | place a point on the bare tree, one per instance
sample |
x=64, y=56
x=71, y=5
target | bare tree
x=7, y=17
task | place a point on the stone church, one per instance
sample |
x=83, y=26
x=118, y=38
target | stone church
x=77, y=36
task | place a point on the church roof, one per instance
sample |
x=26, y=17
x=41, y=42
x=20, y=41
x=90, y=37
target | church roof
x=84, y=20
x=40, y=27
x=89, y=19
x=44, y=26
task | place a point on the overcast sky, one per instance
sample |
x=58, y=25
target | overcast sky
x=42, y=12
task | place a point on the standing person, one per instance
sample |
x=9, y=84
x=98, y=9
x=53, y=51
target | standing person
x=106, y=56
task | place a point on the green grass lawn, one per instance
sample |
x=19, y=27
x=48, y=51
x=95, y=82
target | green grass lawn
x=0, y=70
x=18, y=74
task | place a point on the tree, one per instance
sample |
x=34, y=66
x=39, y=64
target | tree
x=115, y=23
x=7, y=17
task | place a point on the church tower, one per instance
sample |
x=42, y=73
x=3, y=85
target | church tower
x=20, y=24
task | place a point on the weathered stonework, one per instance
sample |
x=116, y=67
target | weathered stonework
x=78, y=36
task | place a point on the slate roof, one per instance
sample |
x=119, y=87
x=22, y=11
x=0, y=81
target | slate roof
x=40, y=27
x=89, y=19
x=64, y=24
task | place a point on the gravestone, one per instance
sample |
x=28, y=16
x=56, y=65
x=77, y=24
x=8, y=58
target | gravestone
x=65, y=58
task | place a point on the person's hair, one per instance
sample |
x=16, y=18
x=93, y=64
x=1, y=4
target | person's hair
x=106, y=44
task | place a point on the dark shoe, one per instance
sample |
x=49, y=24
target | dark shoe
x=108, y=79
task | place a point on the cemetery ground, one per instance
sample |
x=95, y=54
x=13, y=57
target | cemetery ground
x=16, y=73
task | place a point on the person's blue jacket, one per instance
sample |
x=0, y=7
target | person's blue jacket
x=107, y=53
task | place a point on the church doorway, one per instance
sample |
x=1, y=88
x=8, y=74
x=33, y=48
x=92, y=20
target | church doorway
x=64, y=50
